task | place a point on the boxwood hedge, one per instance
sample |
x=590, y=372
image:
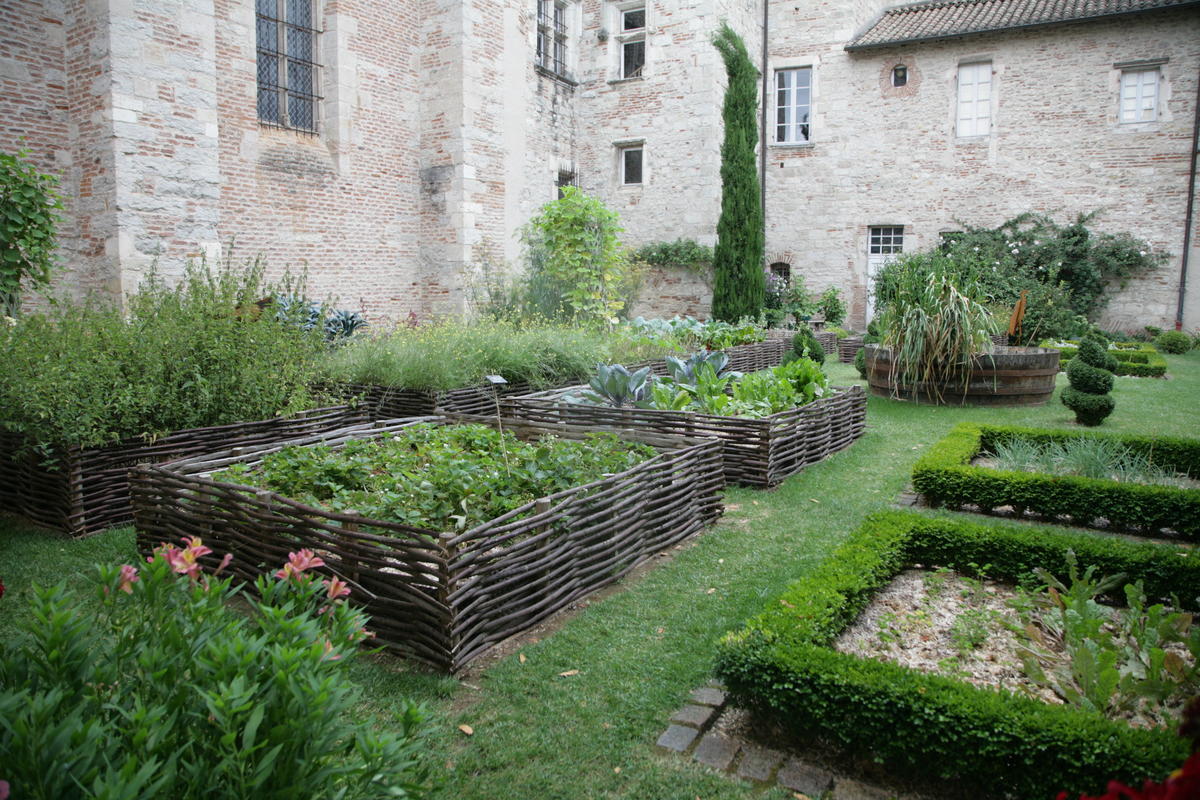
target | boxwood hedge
x=945, y=476
x=991, y=743
x=1134, y=359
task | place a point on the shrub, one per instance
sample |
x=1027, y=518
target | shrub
x=683, y=254
x=805, y=344
x=946, y=476
x=737, y=259
x=1176, y=342
x=990, y=743
x=860, y=362
x=27, y=229
x=165, y=691
x=190, y=356
x=1088, y=395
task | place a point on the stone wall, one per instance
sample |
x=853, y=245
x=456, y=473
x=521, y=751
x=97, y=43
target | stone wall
x=673, y=292
x=889, y=156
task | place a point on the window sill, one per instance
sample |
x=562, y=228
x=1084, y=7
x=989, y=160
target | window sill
x=981, y=139
x=793, y=145
x=554, y=76
x=284, y=129
x=615, y=81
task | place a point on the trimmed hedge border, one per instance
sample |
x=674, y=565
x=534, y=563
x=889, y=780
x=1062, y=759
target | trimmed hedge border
x=992, y=742
x=1134, y=359
x=945, y=476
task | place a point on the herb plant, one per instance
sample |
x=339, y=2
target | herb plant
x=438, y=478
x=165, y=691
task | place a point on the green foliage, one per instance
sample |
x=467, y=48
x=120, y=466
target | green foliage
x=684, y=254
x=860, y=362
x=437, y=477
x=738, y=287
x=1175, y=342
x=163, y=690
x=614, y=385
x=832, y=306
x=1088, y=456
x=697, y=386
x=681, y=371
x=933, y=321
x=1087, y=378
x=805, y=344
x=452, y=354
x=27, y=229
x=1133, y=359
x=1091, y=381
x=1118, y=662
x=945, y=476
x=573, y=245
x=188, y=356
x=781, y=665
x=691, y=333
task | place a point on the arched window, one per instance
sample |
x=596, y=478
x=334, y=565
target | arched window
x=781, y=269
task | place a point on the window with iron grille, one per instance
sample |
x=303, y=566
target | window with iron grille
x=287, y=63
x=552, y=36
x=565, y=179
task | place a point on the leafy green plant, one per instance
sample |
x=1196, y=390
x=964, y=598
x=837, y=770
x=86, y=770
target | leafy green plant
x=163, y=690
x=738, y=286
x=573, y=242
x=1176, y=342
x=1116, y=662
x=832, y=306
x=614, y=385
x=28, y=229
x=682, y=371
x=437, y=477
x=806, y=345
x=690, y=333
x=183, y=356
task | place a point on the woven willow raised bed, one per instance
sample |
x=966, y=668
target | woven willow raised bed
x=758, y=452
x=86, y=490
x=384, y=402
x=438, y=597
x=848, y=347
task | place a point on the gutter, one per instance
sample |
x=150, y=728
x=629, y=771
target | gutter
x=1188, y=216
x=762, y=127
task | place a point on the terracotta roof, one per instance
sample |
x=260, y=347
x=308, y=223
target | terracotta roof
x=943, y=19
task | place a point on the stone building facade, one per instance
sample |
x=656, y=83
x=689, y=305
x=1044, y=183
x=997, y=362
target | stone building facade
x=388, y=146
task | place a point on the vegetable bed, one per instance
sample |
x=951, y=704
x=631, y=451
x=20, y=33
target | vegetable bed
x=438, y=596
x=85, y=490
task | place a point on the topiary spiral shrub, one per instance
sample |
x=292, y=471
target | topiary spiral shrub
x=1176, y=342
x=1091, y=381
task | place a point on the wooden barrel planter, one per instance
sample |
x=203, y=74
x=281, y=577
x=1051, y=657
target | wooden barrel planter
x=1007, y=376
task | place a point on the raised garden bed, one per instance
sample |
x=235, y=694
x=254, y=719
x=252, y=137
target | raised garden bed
x=1134, y=359
x=446, y=598
x=848, y=347
x=758, y=452
x=945, y=476
x=982, y=743
x=86, y=490
x=386, y=402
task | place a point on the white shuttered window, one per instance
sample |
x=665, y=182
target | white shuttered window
x=1139, y=95
x=974, y=99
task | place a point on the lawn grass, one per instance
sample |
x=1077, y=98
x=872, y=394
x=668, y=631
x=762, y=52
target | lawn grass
x=641, y=649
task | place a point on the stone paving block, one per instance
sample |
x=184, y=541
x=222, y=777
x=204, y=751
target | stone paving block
x=800, y=776
x=696, y=716
x=678, y=738
x=849, y=789
x=708, y=696
x=758, y=763
x=716, y=750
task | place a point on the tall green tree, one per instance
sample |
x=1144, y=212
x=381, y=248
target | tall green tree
x=739, y=288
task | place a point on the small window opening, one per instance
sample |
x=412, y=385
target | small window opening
x=899, y=75
x=631, y=165
x=565, y=179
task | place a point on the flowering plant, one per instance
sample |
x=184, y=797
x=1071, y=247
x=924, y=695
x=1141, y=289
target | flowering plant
x=164, y=691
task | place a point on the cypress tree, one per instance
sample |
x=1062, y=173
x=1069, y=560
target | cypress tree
x=739, y=288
